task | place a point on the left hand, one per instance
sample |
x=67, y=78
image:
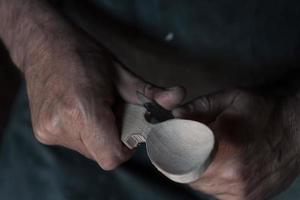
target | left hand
x=257, y=136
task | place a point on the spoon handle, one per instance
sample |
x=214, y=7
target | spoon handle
x=135, y=128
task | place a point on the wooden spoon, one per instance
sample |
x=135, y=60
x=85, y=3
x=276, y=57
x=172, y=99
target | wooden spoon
x=178, y=148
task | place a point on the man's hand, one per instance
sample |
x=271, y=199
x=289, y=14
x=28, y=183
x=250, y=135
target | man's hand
x=257, y=151
x=72, y=82
x=71, y=99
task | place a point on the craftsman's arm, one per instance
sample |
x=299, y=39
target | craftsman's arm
x=72, y=82
x=28, y=26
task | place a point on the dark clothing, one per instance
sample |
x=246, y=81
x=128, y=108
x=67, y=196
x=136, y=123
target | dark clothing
x=255, y=33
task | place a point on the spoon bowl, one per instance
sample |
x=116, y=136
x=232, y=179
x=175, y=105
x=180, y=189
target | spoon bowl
x=180, y=149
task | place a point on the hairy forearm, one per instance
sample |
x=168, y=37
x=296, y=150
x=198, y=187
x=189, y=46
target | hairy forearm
x=28, y=28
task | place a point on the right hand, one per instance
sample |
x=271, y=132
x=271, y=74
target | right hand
x=72, y=86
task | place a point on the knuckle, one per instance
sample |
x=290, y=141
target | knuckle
x=110, y=160
x=108, y=164
x=57, y=120
x=42, y=136
x=50, y=125
x=46, y=129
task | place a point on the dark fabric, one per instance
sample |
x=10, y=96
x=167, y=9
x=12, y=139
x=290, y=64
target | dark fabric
x=258, y=33
x=32, y=171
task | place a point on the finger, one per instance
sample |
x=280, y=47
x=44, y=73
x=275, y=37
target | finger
x=128, y=84
x=207, y=108
x=101, y=139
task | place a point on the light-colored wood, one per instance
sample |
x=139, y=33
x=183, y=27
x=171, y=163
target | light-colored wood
x=178, y=148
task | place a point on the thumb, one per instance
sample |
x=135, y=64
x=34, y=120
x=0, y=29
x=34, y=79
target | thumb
x=206, y=108
x=128, y=84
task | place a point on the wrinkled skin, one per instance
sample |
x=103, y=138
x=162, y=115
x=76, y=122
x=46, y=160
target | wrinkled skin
x=257, y=136
x=72, y=90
